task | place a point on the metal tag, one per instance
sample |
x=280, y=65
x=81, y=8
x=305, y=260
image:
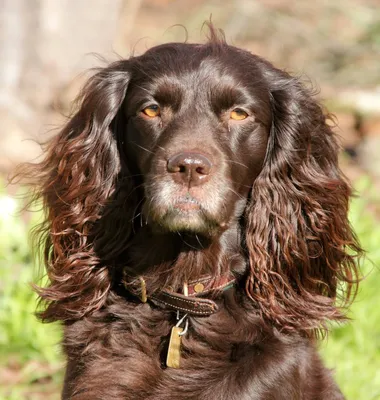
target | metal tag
x=174, y=350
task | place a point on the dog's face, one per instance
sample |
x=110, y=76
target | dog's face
x=196, y=137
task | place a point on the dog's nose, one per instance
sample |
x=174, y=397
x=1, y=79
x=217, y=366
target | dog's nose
x=190, y=168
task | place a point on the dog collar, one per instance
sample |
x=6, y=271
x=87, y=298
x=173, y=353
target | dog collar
x=189, y=303
x=191, y=298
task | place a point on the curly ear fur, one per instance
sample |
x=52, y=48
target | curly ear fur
x=298, y=236
x=75, y=181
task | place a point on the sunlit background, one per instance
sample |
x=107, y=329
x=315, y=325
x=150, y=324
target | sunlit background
x=46, y=47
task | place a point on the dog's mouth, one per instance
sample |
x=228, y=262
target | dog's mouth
x=184, y=214
x=187, y=204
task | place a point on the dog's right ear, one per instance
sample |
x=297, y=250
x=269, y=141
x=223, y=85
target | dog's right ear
x=76, y=179
x=303, y=252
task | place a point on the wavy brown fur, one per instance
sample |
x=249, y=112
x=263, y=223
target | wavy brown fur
x=287, y=236
x=299, y=239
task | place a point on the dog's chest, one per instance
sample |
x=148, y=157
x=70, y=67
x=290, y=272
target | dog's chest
x=127, y=357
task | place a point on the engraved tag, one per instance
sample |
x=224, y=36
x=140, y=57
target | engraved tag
x=174, y=350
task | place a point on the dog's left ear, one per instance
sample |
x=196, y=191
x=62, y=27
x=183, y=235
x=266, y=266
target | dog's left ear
x=298, y=236
x=76, y=181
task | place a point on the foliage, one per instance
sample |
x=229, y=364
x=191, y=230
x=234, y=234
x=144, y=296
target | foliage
x=29, y=351
x=353, y=350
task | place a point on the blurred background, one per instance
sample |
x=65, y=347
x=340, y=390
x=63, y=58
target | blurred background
x=46, y=47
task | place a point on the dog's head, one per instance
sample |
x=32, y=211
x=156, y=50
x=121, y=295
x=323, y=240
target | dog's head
x=196, y=134
x=199, y=139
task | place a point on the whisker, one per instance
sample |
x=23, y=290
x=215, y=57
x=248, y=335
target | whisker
x=143, y=148
x=187, y=244
x=238, y=183
x=237, y=162
x=149, y=209
x=237, y=194
x=133, y=215
x=200, y=244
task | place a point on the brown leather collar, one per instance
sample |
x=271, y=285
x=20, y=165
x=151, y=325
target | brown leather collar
x=191, y=300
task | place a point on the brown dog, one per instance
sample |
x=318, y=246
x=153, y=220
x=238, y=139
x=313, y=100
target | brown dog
x=196, y=230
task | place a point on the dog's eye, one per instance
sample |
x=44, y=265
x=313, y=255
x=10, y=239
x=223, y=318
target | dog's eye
x=238, y=114
x=152, y=111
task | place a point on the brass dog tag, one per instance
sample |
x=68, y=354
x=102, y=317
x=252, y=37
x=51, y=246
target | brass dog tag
x=174, y=351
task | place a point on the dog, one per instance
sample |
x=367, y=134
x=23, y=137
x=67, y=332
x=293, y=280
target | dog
x=196, y=230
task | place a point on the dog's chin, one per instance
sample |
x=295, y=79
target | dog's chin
x=190, y=221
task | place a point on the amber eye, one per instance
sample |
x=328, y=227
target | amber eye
x=152, y=111
x=238, y=114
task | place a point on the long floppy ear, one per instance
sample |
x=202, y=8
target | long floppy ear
x=299, y=240
x=76, y=180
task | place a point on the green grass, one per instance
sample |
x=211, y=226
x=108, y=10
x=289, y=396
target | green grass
x=29, y=351
x=353, y=350
x=30, y=361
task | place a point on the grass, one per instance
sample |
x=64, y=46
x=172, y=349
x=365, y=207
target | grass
x=29, y=351
x=353, y=350
x=31, y=363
